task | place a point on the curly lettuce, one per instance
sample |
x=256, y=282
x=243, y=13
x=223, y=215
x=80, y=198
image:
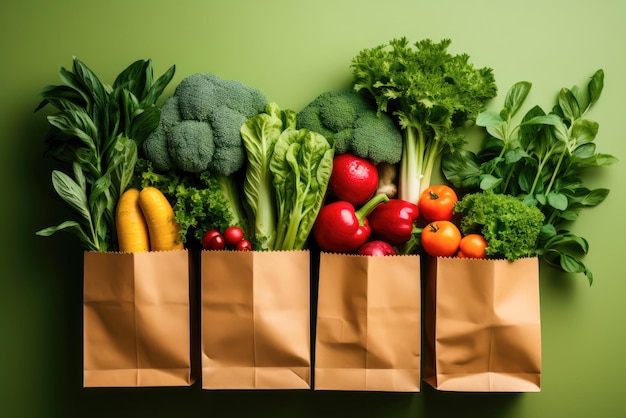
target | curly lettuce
x=510, y=227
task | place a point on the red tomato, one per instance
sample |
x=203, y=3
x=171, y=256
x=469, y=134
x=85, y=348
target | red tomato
x=441, y=239
x=232, y=235
x=437, y=202
x=473, y=246
x=353, y=179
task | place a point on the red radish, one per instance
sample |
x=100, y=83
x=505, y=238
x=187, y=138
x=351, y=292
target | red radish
x=353, y=179
x=243, y=245
x=376, y=248
x=207, y=239
x=216, y=243
x=232, y=235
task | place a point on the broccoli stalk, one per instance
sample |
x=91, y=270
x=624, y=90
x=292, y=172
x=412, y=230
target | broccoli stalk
x=430, y=93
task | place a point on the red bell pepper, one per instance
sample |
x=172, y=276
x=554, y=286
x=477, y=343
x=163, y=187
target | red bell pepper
x=394, y=222
x=341, y=228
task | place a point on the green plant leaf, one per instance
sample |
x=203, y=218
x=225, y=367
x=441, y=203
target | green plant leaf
x=515, y=98
x=488, y=118
x=584, y=130
x=557, y=200
x=71, y=193
x=595, y=86
x=569, y=105
x=488, y=182
x=498, y=131
x=157, y=88
x=461, y=169
x=595, y=197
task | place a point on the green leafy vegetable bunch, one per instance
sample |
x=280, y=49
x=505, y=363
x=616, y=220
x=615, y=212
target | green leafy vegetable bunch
x=541, y=159
x=430, y=93
x=286, y=178
x=510, y=227
x=96, y=131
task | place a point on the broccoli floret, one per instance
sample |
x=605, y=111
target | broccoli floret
x=510, y=227
x=351, y=120
x=191, y=146
x=200, y=124
x=197, y=151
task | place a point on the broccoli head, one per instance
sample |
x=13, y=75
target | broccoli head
x=200, y=125
x=352, y=121
x=510, y=227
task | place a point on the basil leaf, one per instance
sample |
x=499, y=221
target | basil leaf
x=515, y=98
x=487, y=182
x=595, y=197
x=595, y=86
x=568, y=104
x=557, y=200
x=488, y=118
x=497, y=131
x=514, y=155
x=571, y=263
x=461, y=168
x=584, y=130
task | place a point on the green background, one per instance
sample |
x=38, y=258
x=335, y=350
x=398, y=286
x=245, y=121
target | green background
x=292, y=51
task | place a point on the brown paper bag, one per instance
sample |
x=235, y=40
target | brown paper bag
x=136, y=309
x=482, y=325
x=368, y=332
x=255, y=319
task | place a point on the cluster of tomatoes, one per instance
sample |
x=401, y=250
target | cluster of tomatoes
x=233, y=237
x=441, y=237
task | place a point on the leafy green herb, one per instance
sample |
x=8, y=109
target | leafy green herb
x=510, y=228
x=94, y=140
x=430, y=93
x=541, y=159
x=201, y=201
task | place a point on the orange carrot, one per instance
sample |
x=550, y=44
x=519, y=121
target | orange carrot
x=131, y=227
x=162, y=225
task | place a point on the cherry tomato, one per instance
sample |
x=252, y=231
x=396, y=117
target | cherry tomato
x=207, y=239
x=441, y=239
x=243, y=245
x=473, y=246
x=436, y=203
x=353, y=179
x=232, y=235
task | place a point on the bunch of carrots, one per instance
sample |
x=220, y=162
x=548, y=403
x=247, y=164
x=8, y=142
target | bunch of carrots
x=145, y=222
